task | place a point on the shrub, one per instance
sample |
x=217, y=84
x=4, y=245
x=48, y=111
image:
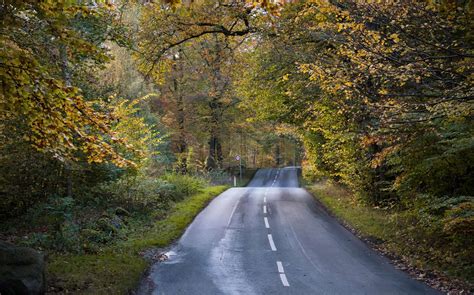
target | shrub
x=139, y=193
x=184, y=185
x=217, y=177
x=66, y=225
x=311, y=173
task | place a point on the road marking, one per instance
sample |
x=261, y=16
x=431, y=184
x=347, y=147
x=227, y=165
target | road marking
x=266, y=222
x=280, y=267
x=264, y=199
x=272, y=244
x=264, y=209
x=284, y=280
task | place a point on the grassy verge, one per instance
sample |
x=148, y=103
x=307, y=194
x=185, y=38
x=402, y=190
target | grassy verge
x=118, y=268
x=398, y=236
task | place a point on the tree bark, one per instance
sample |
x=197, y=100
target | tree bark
x=67, y=81
x=278, y=154
x=181, y=145
x=214, y=159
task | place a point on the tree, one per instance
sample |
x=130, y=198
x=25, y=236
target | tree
x=55, y=127
x=364, y=83
x=40, y=43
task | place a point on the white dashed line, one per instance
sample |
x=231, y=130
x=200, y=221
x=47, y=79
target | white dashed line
x=264, y=199
x=280, y=267
x=266, y=222
x=272, y=244
x=284, y=280
x=264, y=209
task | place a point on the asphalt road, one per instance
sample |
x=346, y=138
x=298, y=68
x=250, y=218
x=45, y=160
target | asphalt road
x=273, y=238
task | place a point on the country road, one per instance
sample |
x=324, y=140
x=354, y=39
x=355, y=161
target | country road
x=273, y=238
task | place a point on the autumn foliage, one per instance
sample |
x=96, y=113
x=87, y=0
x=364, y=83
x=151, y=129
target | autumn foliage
x=99, y=100
x=382, y=95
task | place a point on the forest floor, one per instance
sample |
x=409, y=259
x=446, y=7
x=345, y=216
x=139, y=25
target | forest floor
x=384, y=231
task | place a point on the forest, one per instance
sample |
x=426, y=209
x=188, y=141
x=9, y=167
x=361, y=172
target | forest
x=121, y=120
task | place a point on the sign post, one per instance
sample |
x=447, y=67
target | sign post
x=238, y=158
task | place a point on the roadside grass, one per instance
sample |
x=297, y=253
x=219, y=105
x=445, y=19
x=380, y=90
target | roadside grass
x=399, y=236
x=119, y=267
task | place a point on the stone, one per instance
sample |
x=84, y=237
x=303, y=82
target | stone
x=22, y=270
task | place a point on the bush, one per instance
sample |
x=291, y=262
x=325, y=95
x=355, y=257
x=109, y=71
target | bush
x=217, y=177
x=139, y=193
x=148, y=193
x=442, y=229
x=67, y=225
x=311, y=173
x=54, y=211
x=184, y=185
x=57, y=216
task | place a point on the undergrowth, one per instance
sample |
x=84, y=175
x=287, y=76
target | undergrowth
x=117, y=268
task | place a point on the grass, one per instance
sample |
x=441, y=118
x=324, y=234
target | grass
x=118, y=268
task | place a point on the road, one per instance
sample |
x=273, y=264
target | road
x=273, y=238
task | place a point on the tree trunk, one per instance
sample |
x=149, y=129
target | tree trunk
x=218, y=87
x=181, y=145
x=278, y=154
x=67, y=81
x=215, y=157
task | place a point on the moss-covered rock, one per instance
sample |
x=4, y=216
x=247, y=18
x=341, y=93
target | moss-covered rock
x=21, y=270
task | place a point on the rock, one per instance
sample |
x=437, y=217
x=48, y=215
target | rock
x=121, y=212
x=21, y=270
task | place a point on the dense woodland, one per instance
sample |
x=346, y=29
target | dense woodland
x=110, y=113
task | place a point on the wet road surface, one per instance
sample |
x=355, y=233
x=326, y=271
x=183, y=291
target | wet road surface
x=273, y=238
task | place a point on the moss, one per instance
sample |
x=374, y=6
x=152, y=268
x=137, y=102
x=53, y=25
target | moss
x=118, y=268
x=109, y=272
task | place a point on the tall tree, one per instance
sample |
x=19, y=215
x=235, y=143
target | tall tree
x=40, y=44
x=365, y=83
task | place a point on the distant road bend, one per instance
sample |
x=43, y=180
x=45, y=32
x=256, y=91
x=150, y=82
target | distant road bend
x=273, y=238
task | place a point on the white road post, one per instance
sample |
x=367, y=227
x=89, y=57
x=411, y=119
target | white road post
x=240, y=166
x=239, y=158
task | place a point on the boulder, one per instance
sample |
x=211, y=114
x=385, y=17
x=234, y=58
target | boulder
x=21, y=270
